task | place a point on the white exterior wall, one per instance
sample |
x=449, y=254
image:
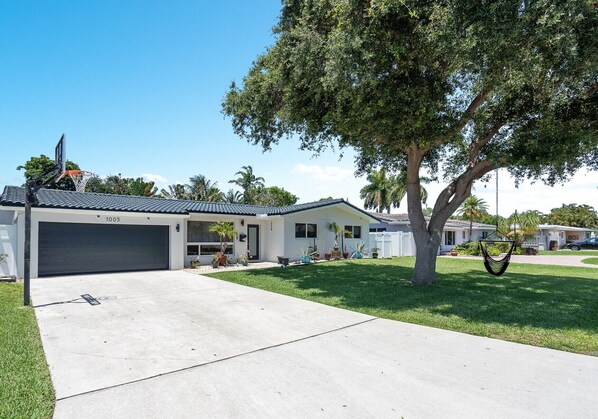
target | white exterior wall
x=8, y=246
x=271, y=240
x=176, y=239
x=325, y=240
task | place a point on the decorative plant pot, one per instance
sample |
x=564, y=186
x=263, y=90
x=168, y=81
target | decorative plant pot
x=375, y=255
x=316, y=256
x=336, y=254
x=222, y=260
x=215, y=264
x=454, y=253
x=193, y=264
x=327, y=256
x=358, y=255
x=305, y=259
x=245, y=263
x=346, y=255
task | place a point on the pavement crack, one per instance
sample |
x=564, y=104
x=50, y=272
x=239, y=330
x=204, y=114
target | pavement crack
x=203, y=364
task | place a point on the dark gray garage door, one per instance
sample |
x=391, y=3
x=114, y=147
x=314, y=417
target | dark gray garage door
x=72, y=248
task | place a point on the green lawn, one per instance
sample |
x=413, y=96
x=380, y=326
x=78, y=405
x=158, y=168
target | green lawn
x=550, y=306
x=25, y=387
x=567, y=252
x=591, y=261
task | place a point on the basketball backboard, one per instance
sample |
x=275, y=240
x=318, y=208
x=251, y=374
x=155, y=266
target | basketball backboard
x=60, y=156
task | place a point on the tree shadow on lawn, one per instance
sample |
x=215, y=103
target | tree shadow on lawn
x=518, y=298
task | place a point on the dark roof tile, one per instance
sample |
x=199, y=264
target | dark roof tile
x=54, y=198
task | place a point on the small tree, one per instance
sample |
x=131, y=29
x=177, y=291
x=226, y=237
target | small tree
x=339, y=232
x=226, y=232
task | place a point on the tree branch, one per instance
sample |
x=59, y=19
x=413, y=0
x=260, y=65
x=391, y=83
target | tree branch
x=475, y=146
x=455, y=193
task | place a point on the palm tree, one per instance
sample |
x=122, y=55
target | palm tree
x=249, y=182
x=226, y=232
x=384, y=192
x=176, y=191
x=398, y=189
x=233, y=197
x=376, y=194
x=202, y=189
x=473, y=208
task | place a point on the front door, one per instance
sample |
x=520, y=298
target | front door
x=253, y=241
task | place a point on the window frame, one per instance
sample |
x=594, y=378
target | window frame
x=352, y=228
x=308, y=231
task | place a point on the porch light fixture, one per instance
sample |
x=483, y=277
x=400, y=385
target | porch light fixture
x=242, y=222
x=178, y=227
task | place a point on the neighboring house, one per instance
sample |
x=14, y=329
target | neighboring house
x=548, y=233
x=455, y=231
x=77, y=232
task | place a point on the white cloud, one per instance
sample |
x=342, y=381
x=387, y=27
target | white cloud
x=323, y=173
x=154, y=178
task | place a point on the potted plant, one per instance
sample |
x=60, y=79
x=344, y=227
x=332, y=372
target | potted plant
x=194, y=263
x=454, y=252
x=327, y=256
x=375, y=252
x=342, y=233
x=335, y=252
x=226, y=232
x=216, y=260
x=314, y=251
x=305, y=255
x=243, y=260
x=359, y=251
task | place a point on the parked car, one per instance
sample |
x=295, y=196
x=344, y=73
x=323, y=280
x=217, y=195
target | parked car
x=583, y=244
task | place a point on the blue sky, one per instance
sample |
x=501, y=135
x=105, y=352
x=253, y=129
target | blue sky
x=136, y=87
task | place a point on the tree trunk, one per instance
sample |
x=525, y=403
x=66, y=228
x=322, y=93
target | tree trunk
x=428, y=234
x=424, y=272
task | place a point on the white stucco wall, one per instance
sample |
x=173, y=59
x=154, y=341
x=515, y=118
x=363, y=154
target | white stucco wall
x=176, y=239
x=325, y=240
x=271, y=240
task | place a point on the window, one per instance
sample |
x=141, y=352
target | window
x=484, y=234
x=449, y=238
x=200, y=241
x=378, y=230
x=463, y=234
x=199, y=231
x=353, y=231
x=305, y=230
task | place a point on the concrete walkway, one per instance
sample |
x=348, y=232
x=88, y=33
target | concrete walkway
x=172, y=344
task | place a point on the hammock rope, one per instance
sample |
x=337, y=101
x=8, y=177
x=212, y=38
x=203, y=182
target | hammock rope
x=496, y=267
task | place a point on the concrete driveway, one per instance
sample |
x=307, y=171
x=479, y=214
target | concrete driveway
x=174, y=344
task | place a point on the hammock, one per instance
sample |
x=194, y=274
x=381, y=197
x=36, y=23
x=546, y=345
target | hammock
x=496, y=267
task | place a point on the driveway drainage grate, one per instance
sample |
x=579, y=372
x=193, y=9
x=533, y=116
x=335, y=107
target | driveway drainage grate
x=92, y=301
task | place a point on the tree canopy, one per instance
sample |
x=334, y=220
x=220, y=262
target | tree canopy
x=456, y=89
x=37, y=166
x=574, y=215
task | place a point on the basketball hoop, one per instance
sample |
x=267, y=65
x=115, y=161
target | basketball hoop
x=79, y=178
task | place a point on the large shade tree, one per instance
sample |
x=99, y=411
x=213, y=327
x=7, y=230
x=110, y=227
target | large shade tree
x=455, y=88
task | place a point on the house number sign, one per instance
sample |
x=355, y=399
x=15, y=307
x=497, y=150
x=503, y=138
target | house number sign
x=113, y=219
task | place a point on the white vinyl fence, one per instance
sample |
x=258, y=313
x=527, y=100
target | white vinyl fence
x=8, y=246
x=398, y=243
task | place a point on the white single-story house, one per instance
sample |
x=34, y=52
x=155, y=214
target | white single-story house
x=455, y=231
x=82, y=232
x=549, y=234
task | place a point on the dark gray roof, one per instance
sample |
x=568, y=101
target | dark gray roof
x=389, y=217
x=54, y=198
x=451, y=223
